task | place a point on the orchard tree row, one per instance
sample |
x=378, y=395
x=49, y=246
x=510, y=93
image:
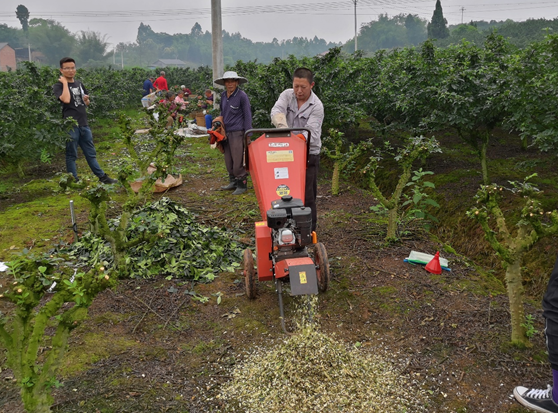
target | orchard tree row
x=419, y=90
x=468, y=88
x=31, y=126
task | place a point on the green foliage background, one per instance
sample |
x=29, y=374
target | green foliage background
x=472, y=89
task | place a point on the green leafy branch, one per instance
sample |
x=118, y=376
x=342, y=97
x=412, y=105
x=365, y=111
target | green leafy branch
x=40, y=292
x=415, y=148
x=532, y=224
x=334, y=148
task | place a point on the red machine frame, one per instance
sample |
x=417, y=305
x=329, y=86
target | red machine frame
x=277, y=164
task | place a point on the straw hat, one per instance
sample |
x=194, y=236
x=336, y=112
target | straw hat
x=230, y=75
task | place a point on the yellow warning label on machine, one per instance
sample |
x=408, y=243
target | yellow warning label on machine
x=302, y=276
x=282, y=190
x=280, y=156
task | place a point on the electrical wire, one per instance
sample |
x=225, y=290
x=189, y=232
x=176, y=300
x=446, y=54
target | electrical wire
x=422, y=8
x=277, y=9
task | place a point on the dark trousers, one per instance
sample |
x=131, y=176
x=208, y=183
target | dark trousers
x=550, y=307
x=311, y=191
x=234, y=154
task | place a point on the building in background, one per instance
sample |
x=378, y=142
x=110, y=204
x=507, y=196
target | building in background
x=167, y=63
x=7, y=58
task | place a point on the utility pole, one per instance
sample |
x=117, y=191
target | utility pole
x=217, y=39
x=462, y=10
x=356, y=47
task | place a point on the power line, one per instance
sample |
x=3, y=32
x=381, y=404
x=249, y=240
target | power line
x=338, y=8
x=269, y=9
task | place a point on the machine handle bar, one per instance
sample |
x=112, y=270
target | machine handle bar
x=278, y=132
x=274, y=133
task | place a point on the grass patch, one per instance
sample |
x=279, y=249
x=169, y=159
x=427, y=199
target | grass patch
x=94, y=347
x=35, y=223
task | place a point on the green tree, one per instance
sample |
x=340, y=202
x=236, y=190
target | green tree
x=91, y=49
x=472, y=93
x=407, y=80
x=415, y=148
x=386, y=33
x=33, y=356
x=343, y=156
x=511, y=246
x=534, y=92
x=15, y=37
x=438, y=26
x=22, y=14
x=52, y=39
x=31, y=126
x=196, y=30
x=464, y=32
x=416, y=29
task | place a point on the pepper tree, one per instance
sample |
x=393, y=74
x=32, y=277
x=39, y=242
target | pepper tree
x=471, y=94
x=334, y=147
x=41, y=292
x=511, y=246
x=415, y=148
x=162, y=157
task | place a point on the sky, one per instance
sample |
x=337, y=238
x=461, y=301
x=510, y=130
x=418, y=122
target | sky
x=261, y=20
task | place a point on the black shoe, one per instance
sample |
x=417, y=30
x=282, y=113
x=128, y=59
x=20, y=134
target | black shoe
x=240, y=187
x=105, y=179
x=537, y=399
x=231, y=185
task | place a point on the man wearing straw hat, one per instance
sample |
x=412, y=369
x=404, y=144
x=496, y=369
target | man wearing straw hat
x=237, y=118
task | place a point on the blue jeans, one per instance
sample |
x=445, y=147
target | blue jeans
x=82, y=136
x=208, y=121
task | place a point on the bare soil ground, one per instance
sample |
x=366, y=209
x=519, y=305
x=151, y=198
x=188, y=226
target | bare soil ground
x=147, y=347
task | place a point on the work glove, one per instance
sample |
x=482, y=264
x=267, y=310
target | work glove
x=279, y=120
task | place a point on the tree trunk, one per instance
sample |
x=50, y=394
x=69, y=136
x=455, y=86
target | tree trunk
x=514, y=285
x=19, y=168
x=392, y=223
x=524, y=143
x=335, y=179
x=484, y=165
x=36, y=400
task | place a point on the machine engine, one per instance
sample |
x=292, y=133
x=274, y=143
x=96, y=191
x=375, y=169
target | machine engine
x=291, y=224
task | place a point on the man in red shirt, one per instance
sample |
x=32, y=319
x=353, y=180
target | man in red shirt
x=161, y=82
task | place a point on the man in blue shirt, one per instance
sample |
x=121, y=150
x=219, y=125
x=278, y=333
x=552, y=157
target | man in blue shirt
x=237, y=118
x=148, y=86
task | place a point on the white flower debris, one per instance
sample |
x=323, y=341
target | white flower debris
x=312, y=372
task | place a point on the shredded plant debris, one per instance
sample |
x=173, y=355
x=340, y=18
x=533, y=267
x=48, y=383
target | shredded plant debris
x=185, y=248
x=313, y=372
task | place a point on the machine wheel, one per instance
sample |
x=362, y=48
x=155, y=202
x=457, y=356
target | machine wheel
x=322, y=266
x=249, y=274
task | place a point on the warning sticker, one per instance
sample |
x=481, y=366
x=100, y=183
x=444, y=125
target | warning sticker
x=281, y=173
x=261, y=224
x=280, y=156
x=282, y=190
x=302, y=276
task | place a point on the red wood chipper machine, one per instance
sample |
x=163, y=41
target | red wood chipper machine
x=277, y=164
